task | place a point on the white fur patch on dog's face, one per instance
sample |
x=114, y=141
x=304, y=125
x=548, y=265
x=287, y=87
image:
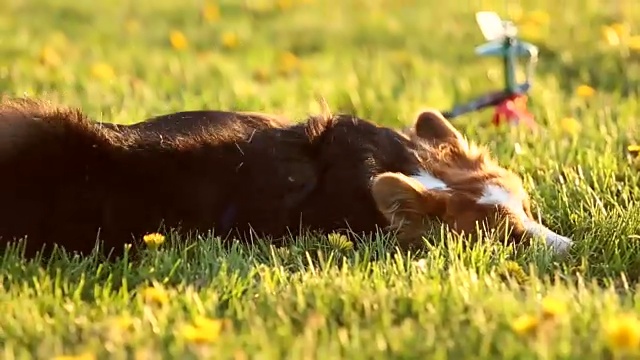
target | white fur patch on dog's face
x=429, y=181
x=497, y=195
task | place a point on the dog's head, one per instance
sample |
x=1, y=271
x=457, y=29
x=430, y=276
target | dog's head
x=458, y=184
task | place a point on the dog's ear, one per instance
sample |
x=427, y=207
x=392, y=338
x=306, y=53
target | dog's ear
x=432, y=126
x=405, y=202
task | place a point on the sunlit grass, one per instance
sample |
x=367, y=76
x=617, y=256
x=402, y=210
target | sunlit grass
x=333, y=296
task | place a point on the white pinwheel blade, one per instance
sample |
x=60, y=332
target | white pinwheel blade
x=490, y=24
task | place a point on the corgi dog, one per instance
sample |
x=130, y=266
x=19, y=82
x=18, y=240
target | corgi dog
x=71, y=181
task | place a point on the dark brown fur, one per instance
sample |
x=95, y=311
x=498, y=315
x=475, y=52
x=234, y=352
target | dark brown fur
x=68, y=180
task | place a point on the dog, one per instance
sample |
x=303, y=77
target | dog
x=73, y=181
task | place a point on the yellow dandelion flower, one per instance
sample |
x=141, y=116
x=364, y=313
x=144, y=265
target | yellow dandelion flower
x=153, y=240
x=102, y=71
x=530, y=31
x=339, y=242
x=155, y=295
x=634, y=43
x=610, y=36
x=623, y=332
x=178, y=40
x=513, y=270
x=197, y=335
x=211, y=325
x=585, y=91
x=50, y=57
x=123, y=322
x=229, y=39
x=83, y=356
x=285, y=4
x=514, y=12
x=132, y=26
x=210, y=13
x=525, y=324
x=553, y=307
x=202, y=331
x=621, y=29
x=539, y=17
x=570, y=125
x=289, y=62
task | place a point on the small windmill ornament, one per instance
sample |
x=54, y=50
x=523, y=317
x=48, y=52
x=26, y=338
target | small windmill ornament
x=510, y=103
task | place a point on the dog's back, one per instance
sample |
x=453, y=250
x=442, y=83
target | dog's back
x=185, y=123
x=70, y=179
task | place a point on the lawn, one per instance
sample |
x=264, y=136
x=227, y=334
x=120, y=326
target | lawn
x=327, y=297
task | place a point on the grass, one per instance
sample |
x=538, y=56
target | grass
x=318, y=298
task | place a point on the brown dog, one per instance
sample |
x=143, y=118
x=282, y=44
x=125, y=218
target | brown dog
x=70, y=180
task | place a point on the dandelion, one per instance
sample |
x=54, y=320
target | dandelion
x=634, y=43
x=153, y=240
x=212, y=325
x=585, y=91
x=178, y=40
x=210, y=13
x=514, y=12
x=289, y=62
x=229, y=40
x=570, y=125
x=552, y=308
x=83, y=356
x=621, y=29
x=155, y=295
x=285, y=4
x=339, y=242
x=530, y=30
x=123, y=322
x=511, y=269
x=623, y=333
x=202, y=331
x=610, y=36
x=50, y=57
x=539, y=17
x=525, y=324
x=102, y=71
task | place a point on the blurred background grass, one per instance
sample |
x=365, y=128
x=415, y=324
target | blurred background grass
x=125, y=60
